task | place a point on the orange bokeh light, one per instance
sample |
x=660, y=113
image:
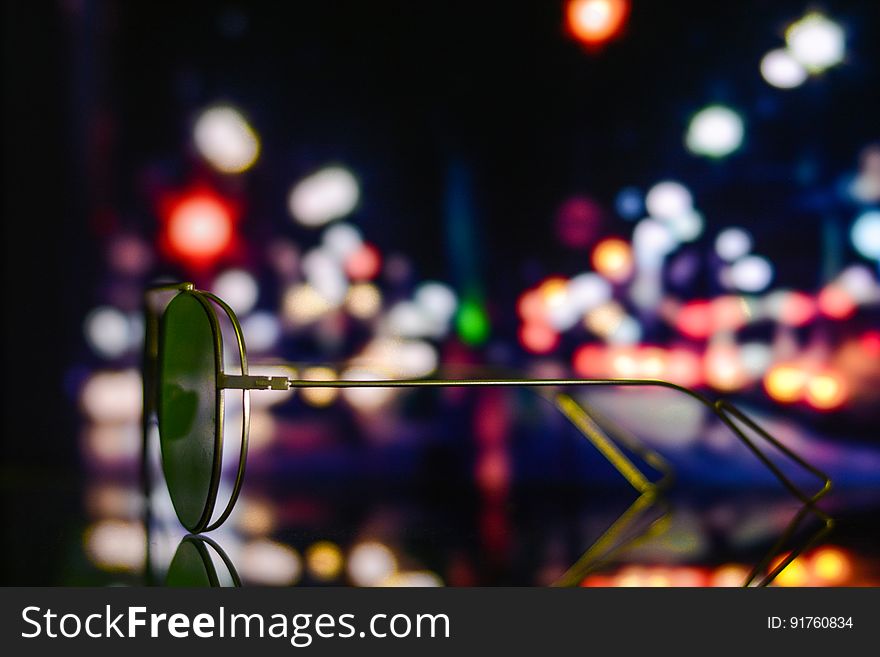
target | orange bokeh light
x=594, y=22
x=613, y=258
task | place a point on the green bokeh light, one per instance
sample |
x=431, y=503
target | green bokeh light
x=472, y=322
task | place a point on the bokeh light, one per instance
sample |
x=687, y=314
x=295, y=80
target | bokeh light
x=751, y=273
x=594, y=22
x=613, y=258
x=732, y=243
x=226, y=140
x=370, y=563
x=865, y=234
x=238, y=288
x=785, y=383
x=715, y=131
x=780, y=69
x=816, y=42
x=325, y=195
x=324, y=560
x=199, y=228
x=108, y=332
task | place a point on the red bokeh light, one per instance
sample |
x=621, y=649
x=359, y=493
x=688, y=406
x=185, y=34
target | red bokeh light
x=695, y=319
x=797, y=309
x=364, y=264
x=538, y=338
x=198, y=228
x=836, y=302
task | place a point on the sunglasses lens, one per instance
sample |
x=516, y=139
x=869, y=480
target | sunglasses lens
x=188, y=413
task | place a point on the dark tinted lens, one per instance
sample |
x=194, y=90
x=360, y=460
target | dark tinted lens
x=188, y=408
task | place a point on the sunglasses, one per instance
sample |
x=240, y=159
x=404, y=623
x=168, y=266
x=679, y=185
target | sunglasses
x=186, y=383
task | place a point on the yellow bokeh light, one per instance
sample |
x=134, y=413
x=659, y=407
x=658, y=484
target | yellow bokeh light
x=826, y=391
x=785, y=383
x=831, y=565
x=794, y=574
x=363, y=300
x=324, y=560
x=319, y=396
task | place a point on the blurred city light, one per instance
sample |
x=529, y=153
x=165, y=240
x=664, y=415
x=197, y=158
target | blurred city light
x=116, y=545
x=238, y=288
x=780, y=69
x=269, y=563
x=261, y=331
x=865, y=234
x=328, y=194
x=199, y=228
x=364, y=301
x=715, y=131
x=226, y=140
x=370, y=563
x=324, y=560
x=319, y=396
x=826, y=391
x=613, y=258
x=816, y=42
x=751, y=273
x=112, y=396
x=668, y=200
x=108, y=332
x=785, y=383
x=732, y=243
x=472, y=322
x=594, y=22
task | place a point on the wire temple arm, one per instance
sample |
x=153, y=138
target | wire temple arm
x=725, y=411
x=252, y=382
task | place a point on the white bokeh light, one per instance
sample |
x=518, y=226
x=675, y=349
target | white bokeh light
x=587, y=291
x=716, y=131
x=751, y=273
x=653, y=241
x=668, y=199
x=224, y=138
x=238, y=288
x=865, y=234
x=732, y=243
x=342, y=240
x=816, y=42
x=328, y=194
x=108, y=332
x=261, y=331
x=370, y=563
x=437, y=300
x=780, y=69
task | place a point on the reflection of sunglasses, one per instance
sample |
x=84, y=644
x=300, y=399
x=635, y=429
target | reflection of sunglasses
x=185, y=384
x=199, y=561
